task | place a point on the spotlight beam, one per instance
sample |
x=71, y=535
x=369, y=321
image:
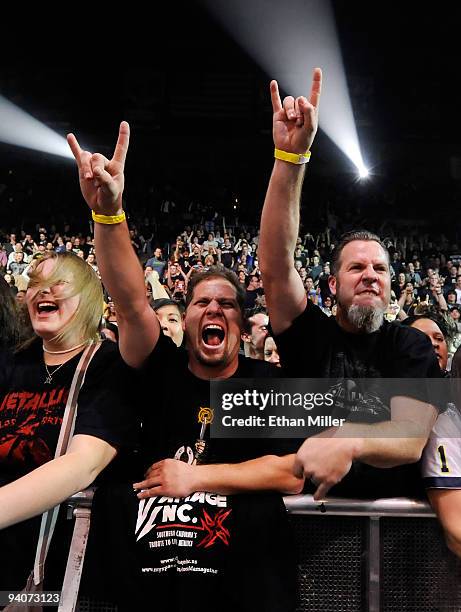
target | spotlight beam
x=21, y=129
x=288, y=40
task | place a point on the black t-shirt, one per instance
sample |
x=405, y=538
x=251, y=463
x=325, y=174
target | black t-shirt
x=31, y=410
x=394, y=351
x=227, y=255
x=206, y=551
x=31, y=414
x=251, y=296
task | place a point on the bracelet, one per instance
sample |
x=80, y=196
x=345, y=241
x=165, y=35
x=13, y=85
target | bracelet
x=292, y=158
x=109, y=219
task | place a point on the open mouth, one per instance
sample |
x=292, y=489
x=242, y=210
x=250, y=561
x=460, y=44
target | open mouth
x=213, y=335
x=46, y=307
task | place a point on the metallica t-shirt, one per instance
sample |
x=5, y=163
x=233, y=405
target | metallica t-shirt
x=206, y=551
x=315, y=346
x=31, y=412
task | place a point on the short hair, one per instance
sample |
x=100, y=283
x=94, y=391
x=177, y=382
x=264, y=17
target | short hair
x=439, y=319
x=352, y=236
x=249, y=314
x=161, y=302
x=85, y=284
x=217, y=272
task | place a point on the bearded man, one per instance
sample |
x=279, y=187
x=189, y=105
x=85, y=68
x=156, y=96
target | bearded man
x=357, y=344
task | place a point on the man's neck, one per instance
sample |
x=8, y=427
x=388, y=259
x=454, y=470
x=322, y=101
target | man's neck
x=344, y=323
x=205, y=372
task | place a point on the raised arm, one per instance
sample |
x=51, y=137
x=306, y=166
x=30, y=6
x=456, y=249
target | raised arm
x=102, y=182
x=158, y=290
x=294, y=128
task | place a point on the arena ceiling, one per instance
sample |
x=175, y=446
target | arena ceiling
x=176, y=76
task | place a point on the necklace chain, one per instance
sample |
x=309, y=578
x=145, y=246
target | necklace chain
x=66, y=351
x=49, y=378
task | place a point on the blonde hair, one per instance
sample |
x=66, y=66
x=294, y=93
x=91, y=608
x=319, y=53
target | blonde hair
x=81, y=281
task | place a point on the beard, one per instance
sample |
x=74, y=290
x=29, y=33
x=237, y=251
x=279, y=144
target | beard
x=367, y=319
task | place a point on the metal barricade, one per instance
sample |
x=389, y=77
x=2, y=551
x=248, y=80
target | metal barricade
x=385, y=555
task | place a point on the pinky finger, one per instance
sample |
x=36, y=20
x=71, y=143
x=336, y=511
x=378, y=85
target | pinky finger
x=146, y=493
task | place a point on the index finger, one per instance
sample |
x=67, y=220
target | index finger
x=316, y=88
x=275, y=97
x=121, y=148
x=322, y=491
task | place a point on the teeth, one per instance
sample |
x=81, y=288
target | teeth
x=211, y=326
x=46, y=306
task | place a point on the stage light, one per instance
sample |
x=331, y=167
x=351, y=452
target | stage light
x=21, y=129
x=288, y=39
x=363, y=172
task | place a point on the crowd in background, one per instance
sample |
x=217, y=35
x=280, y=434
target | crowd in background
x=425, y=266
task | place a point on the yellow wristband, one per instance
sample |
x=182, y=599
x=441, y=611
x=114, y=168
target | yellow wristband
x=108, y=219
x=292, y=158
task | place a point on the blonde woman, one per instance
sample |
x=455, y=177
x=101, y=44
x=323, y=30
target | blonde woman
x=64, y=301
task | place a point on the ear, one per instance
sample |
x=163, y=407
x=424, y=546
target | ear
x=332, y=284
x=245, y=337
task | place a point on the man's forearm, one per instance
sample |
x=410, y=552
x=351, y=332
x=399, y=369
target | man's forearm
x=280, y=217
x=386, y=444
x=268, y=473
x=120, y=268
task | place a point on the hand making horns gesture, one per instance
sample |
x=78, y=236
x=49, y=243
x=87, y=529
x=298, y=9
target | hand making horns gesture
x=101, y=179
x=295, y=122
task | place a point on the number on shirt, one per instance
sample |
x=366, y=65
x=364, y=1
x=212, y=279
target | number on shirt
x=444, y=467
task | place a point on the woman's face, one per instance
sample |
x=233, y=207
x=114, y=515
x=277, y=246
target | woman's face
x=49, y=308
x=171, y=323
x=432, y=330
x=271, y=353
